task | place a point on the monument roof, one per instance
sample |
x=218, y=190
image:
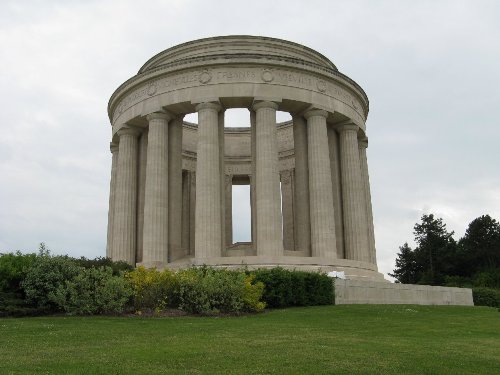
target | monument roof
x=238, y=47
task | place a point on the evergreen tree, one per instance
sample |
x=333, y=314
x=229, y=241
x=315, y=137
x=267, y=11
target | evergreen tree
x=406, y=266
x=480, y=246
x=435, y=250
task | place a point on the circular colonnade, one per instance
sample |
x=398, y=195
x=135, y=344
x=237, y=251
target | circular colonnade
x=171, y=181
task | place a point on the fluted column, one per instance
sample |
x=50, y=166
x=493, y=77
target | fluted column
x=186, y=200
x=323, y=242
x=112, y=187
x=155, y=243
x=228, y=183
x=192, y=213
x=141, y=193
x=287, y=207
x=175, y=185
x=267, y=187
x=221, y=118
x=208, y=241
x=302, y=214
x=363, y=144
x=333, y=142
x=355, y=232
x=125, y=220
x=253, y=198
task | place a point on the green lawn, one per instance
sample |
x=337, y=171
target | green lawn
x=357, y=339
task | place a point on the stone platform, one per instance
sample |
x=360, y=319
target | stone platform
x=373, y=292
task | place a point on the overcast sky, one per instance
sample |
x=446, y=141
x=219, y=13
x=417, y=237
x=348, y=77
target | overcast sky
x=431, y=70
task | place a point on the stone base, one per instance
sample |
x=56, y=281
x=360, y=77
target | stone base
x=372, y=292
x=354, y=270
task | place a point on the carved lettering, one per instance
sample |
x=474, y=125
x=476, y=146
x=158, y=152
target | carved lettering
x=234, y=75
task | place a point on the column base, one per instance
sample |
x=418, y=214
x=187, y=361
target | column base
x=353, y=269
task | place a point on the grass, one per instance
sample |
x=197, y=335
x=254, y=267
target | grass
x=356, y=339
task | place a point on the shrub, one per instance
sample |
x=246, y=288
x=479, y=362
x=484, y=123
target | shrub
x=278, y=286
x=488, y=279
x=486, y=297
x=153, y=289
x=13, y=268
x=210, y=291
x=117, y=266
x=46, y=275
x=295, y=288
x=252, y=294
x=93, y=291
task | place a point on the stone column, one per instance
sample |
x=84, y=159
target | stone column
x=186, y=200
x=363, y=144
x=267, y=186
x=208, y=241
x=155, y=244
x=174, y=186
x=221, y=115
x=287, y=208
x=141, y=193
x=253, y=198
x=355, y=232
x=125, y=221
x=192, y=213
x=228, y=183
x=302, y=214
x=112, y=187
x=333, y=142
x=323, y=242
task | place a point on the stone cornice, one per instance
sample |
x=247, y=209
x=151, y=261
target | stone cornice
x=241, y=59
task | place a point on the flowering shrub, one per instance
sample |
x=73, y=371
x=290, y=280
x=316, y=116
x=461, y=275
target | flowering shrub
x=196, y=290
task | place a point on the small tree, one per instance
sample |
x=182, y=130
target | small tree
x=435, y=250
x=406, y=266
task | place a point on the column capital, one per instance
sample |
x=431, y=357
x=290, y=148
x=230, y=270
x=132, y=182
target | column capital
x=347, y=126
x=208, y=105
x=264, y=104
x=315, y=112
x=126, y=130
x=160, y=115
x=113, y=147
x=363, y=142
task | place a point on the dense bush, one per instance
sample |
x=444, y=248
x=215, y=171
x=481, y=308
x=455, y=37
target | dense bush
x=153, y=289
x=488, y=279
x=295, y=288
x=486, y=297
x=34, y=284
x=196, y=290
x=13, y=269
x=93, y=291
x=46, y=276
x=117, y=266
x=210, y=291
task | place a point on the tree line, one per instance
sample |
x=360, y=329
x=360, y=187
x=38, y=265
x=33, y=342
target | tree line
x=438, y=259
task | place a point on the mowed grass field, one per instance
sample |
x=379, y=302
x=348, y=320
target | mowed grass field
x=356, y=339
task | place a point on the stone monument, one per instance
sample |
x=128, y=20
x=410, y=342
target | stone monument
x=171, y=181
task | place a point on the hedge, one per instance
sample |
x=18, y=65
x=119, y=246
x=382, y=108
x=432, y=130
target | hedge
x=295, y=288
x=486, y=297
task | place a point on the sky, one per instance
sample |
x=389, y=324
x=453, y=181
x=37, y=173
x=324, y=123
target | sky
x=430, y=69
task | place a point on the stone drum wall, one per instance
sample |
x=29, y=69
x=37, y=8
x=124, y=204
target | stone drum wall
x=171, y=181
